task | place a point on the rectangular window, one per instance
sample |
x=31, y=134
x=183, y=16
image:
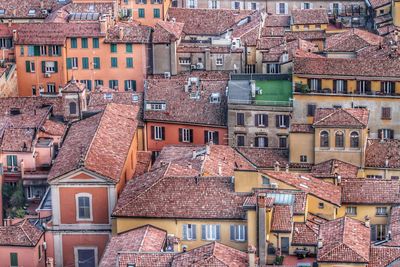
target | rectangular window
x=13, y=259
x=141, y=12
x=50, y=67
x=211, y=136
x=265, y=180
x=114, y=62
x=283, y=142
x=55, y=50
x=363, y=87
x=385, y=134
x=340, y=86
x=30, y=66
x=84, y=207
x=374, y=176
x=96, y=43
x=189, y=232
x=156, y=13
x=240, y=140
x=51, y=88
x=158, y=133
x=214, y=4
x=88, y=84
x=98, y=82
x=219, y=61
x=311, y=110
x=236, y=5
x=261, y=120
x=184, y=61
x=85, y=63
x=306, y=6
x=238, y=232
x=314, y=84
x=381, y=211
x=387, y=88
x=113, y=84
x=186, y=135
x=74, y=43
x=85, y=257
x=253, y=6
x=129, y=62
x=96, y=63
x=303, y=158
x=282, y=121
x=128, y=48
x=386, y=113
x=12, y=164
x=113, y=48
x=282, y=8
x=84, y=42
x=72, y=63
x=210, y=232
x=22, y=51
x=43, y=50
x=130, y=85
x=240, y=119
x=31, y=50
x=378, y=232
x=351, y=211
x=273, y=68
x=261, y=141
x=156, y=106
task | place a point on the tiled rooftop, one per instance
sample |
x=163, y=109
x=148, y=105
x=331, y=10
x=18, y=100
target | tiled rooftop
x=310, y=16
x=277, y=21
x=350, y=117
x=383, y=256
x=332, y=167
x=129, y=32
x=281, y=219
x=382, y=153
x=22, y=234
x=301, y=128
x=31, y=9
x=167, y=31
x=352, y=41
x=265, y=157
x=304, y=235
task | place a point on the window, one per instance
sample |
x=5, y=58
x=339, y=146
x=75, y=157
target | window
x=30, y=66
x=49, y=66
x=211, y=136
x=215, y=98
x=236, y=5
x=113, y=84
x=186, y=135
x=31, y=50
x=129, y=62
x=381, y=211
x=40, y=252
x=386, y=113
x=128, y=48
x=385, y=134
x=85, y=63
x=340, y=86
x=214, y=4
x=253, y=6
x=113, y=48
x=395, y=178
x=306, y=6
x=378, y=232
x=238, y=232
x=72, y=63
x=158, y=133
x=13, y=259
x=282, y=121
x=33, y=90
x=339, y=139
x=387, y=88
x=43, y=50
x=311, y=110
x=374, y=176
x=303, y=158
x=96, y=63
x=364, y=87
x=141, y=12
x=318, y=26
x=83, y=206
x=72, y=108
x=354, y=140
x=130, y=85
x=51, y=88
x=240, y=140
x=261, y=141
x=261, y=120
x=265, y=180
x=335, y=8
x=84, y=42
x=55, y=50
x=192, y=3
x=114, y=62
x=156, y=13
x=324, y=139
x=283, y=142
x=2, y=11
x=85, y=257
x=31, y=12
x=281, y=8
x=351, y=211
x=98, y=82
x=155, y=106
x=210, y=232
x=240, y=119
x=184, y=61
x=321, y=205
x=22, y=51
x=337, y=106
x=305, y=27
x=88, y=84
x=12, y=164
x=74, y=43
x=273, y=68
x=95, y=42
x=189, y=232
x=219, y=61
x=314, y=84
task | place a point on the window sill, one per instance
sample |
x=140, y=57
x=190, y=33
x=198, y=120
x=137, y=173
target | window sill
x=386, y=119
x=84, y=220
x=351, y=215
x=381, y=215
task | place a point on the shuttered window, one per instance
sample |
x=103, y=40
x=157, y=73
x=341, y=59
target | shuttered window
x=210, y=232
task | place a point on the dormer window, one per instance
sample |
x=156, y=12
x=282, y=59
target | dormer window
x=156, y=106
x=32, y=12
x=108, y=96
x=2, y=11
x=135, y=98
x=215, y=98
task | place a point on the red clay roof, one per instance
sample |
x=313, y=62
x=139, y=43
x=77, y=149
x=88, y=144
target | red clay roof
x=54, y=128
x=143, y=162
x=144, y=259
x=21, y=234
x=352, y=41
x=304, y=235
x=277, y=21
x=301, y=128
x=167, y=31
x=143, y=239
x=18, y=9
x=309, y=184
x=345, y=240
x=349, y=117
x=100, y=143
x=379, y=3
x=28, y=104
x=383, y=256
x=394, y=227
x=265, y=157
x=310, y=16
x=281, y=219
x=382, y=153
x=332, y=167
x=132, y=31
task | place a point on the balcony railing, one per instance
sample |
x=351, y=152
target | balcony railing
x=261, y=102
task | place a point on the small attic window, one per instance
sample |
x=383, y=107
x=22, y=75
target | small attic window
x=108, y=96
x=2, y=11
x=31, y=12
x=135, y=98
x=215, y=98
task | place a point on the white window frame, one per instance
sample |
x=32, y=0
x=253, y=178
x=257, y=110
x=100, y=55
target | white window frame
x=77, y=196
x=189, y=231
x=96, y=255
x=306, y=5
x=32, y=66
x=211, y=232
x=281, y=119
x=50, y=66
x=240, y=232
x=51, y=88
x=339, y=86
x=236, y=5
x=74, y=63
x=387, y=88
x=156, y=106
x=55, y=50
x=261, y=141
x=362, y=86
x=386, y=133
x=314, y=84
x=213, y=4
x=273, y=68
x=43, y=50
x=215, y=98
x=253, y=4
x=210, y=136
x=379, y=211
x=130, y=84
x=260, y=119
x=351, y=210
x=374, y=176
x=280, y=10
x=184, y=61
x=158, y=133
x=186, y=135
x=219, y=61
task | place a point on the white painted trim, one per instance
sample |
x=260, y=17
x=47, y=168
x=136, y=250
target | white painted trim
x=77, y=196
x=96, y=256
x=55, y=204
x=112, y=200
x=66, y=178
x=82, y=227
x=58, y=255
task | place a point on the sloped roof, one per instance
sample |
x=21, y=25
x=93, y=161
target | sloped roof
x=310, y=16
x=383, y=256
x=265, y=157
x=382, y=153
x=345, y=240
x=21, y=234
x=281, y=219
x=332, y=167
x=331, y=117
x=167, y=31
x=352, y=41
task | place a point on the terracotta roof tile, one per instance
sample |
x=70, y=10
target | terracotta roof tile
x=143, y=239
x=21, y=234
x=52, y=127
x=132, y=32
x=394, y=227
x=304, y=235
x=307, y=35
x=331, y=117
x=140, y=259
x=309, y=184
x=352, y=41
x=369, y=191
x=281, y=219
x=167, y=31
x=382, y=153
x=143, y=162
x=277, y=21
x=310, y=16
x=21, y=9
x=299, y=204
x=25, y=104
x=383, y=256
x=344, y=240
x=329, y=168
x=301, y=128
x=102, y=141
x=379, y=3
x=265, y=157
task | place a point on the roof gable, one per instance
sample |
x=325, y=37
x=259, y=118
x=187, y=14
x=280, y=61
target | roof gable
x=327, y=117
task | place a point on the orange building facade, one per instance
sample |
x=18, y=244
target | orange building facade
x=147, y=12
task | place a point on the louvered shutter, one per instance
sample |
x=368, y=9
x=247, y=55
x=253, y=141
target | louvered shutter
x=311, y=5
x=55, y=66
x=232, y=231
x=152, y=132
x=180, y=134
x=256, y=141
x=205, y=137
x=277, y=121
x=194, y=236
x=191, y=135
x=286, y=8
x=218, y=234
x=277, y=8
x=28, y=66
x=203, y=232
x=184, y=232
x=44, y=66
x=265, y=120
x=162, y=133
x=256, y=120
x=216, y=138
x=302, y=5
x=286, y=120
x=245, y=232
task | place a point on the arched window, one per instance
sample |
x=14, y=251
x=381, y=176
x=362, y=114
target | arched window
x=72, y=108
x=324, y=139
x=339, y=139
x=354, y=140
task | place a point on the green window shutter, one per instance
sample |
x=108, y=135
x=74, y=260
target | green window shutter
x=141, y=12
x=69, y=63
x=84, y=42
x=113, y=48
x=95, y=42
x=156, y=13
x=134, y=85
x=14, y=259
x=85, y=62
x=74, y=43
x=96, y=62
x=44, y=66
x=129, y=12
x=55, y=66
x=110, y=84
x=36, y=50
x=128, y=48
x=129, y=62
x=28, y=66
x=126, y=85
x=114, y=62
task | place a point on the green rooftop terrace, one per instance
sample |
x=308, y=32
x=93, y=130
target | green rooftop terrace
x=274, y=92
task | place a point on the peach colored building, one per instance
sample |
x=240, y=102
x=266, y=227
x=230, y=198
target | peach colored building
x=98, y=156
x=147, y=12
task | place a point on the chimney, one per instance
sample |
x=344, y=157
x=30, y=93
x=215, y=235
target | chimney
x=41, y=4
x=189, y=165
x=9, y=22
x=194, y=154
x=338, y=179
x=262, y=223
x=7, y=221
x=50, y=262
x=121, y=33
x=320, y=244
x=287, y=167
x=207, y=149
x=22, y=167
x=14, y=12
x=15, y=35
x=103, y=25
x=367, y=221
x=386, y=162
x=251, y=252
x=219, y=169
x=277, y=166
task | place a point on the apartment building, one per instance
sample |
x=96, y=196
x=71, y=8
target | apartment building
x=145, y=12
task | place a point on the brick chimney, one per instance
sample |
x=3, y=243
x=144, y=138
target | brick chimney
x=262, y=224
x=15, y=35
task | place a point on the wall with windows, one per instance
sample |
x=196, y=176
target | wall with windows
x=210, y=61
x=309, y=27
x=224, y=4
x=359, y=212
x=162, y=134
x=321, y=208
x=23, y=256
x=147, y=12
x=303, y=153
x=380, y=173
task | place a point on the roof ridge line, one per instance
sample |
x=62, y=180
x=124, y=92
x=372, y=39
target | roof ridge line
x=25, y=231
x=144, y=236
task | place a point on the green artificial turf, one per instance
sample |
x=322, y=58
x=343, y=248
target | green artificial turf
x=274, y=92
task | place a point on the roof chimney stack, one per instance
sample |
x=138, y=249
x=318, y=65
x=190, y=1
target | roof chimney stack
x=367, y=221
x=320, y=244
x=15, y=35
x=219, y=169
x=277, y=166
x=121, y=33
x=251, y=252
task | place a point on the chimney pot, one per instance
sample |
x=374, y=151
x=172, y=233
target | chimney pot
x=219, y=169
x=320, y=244
x=121, y=33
